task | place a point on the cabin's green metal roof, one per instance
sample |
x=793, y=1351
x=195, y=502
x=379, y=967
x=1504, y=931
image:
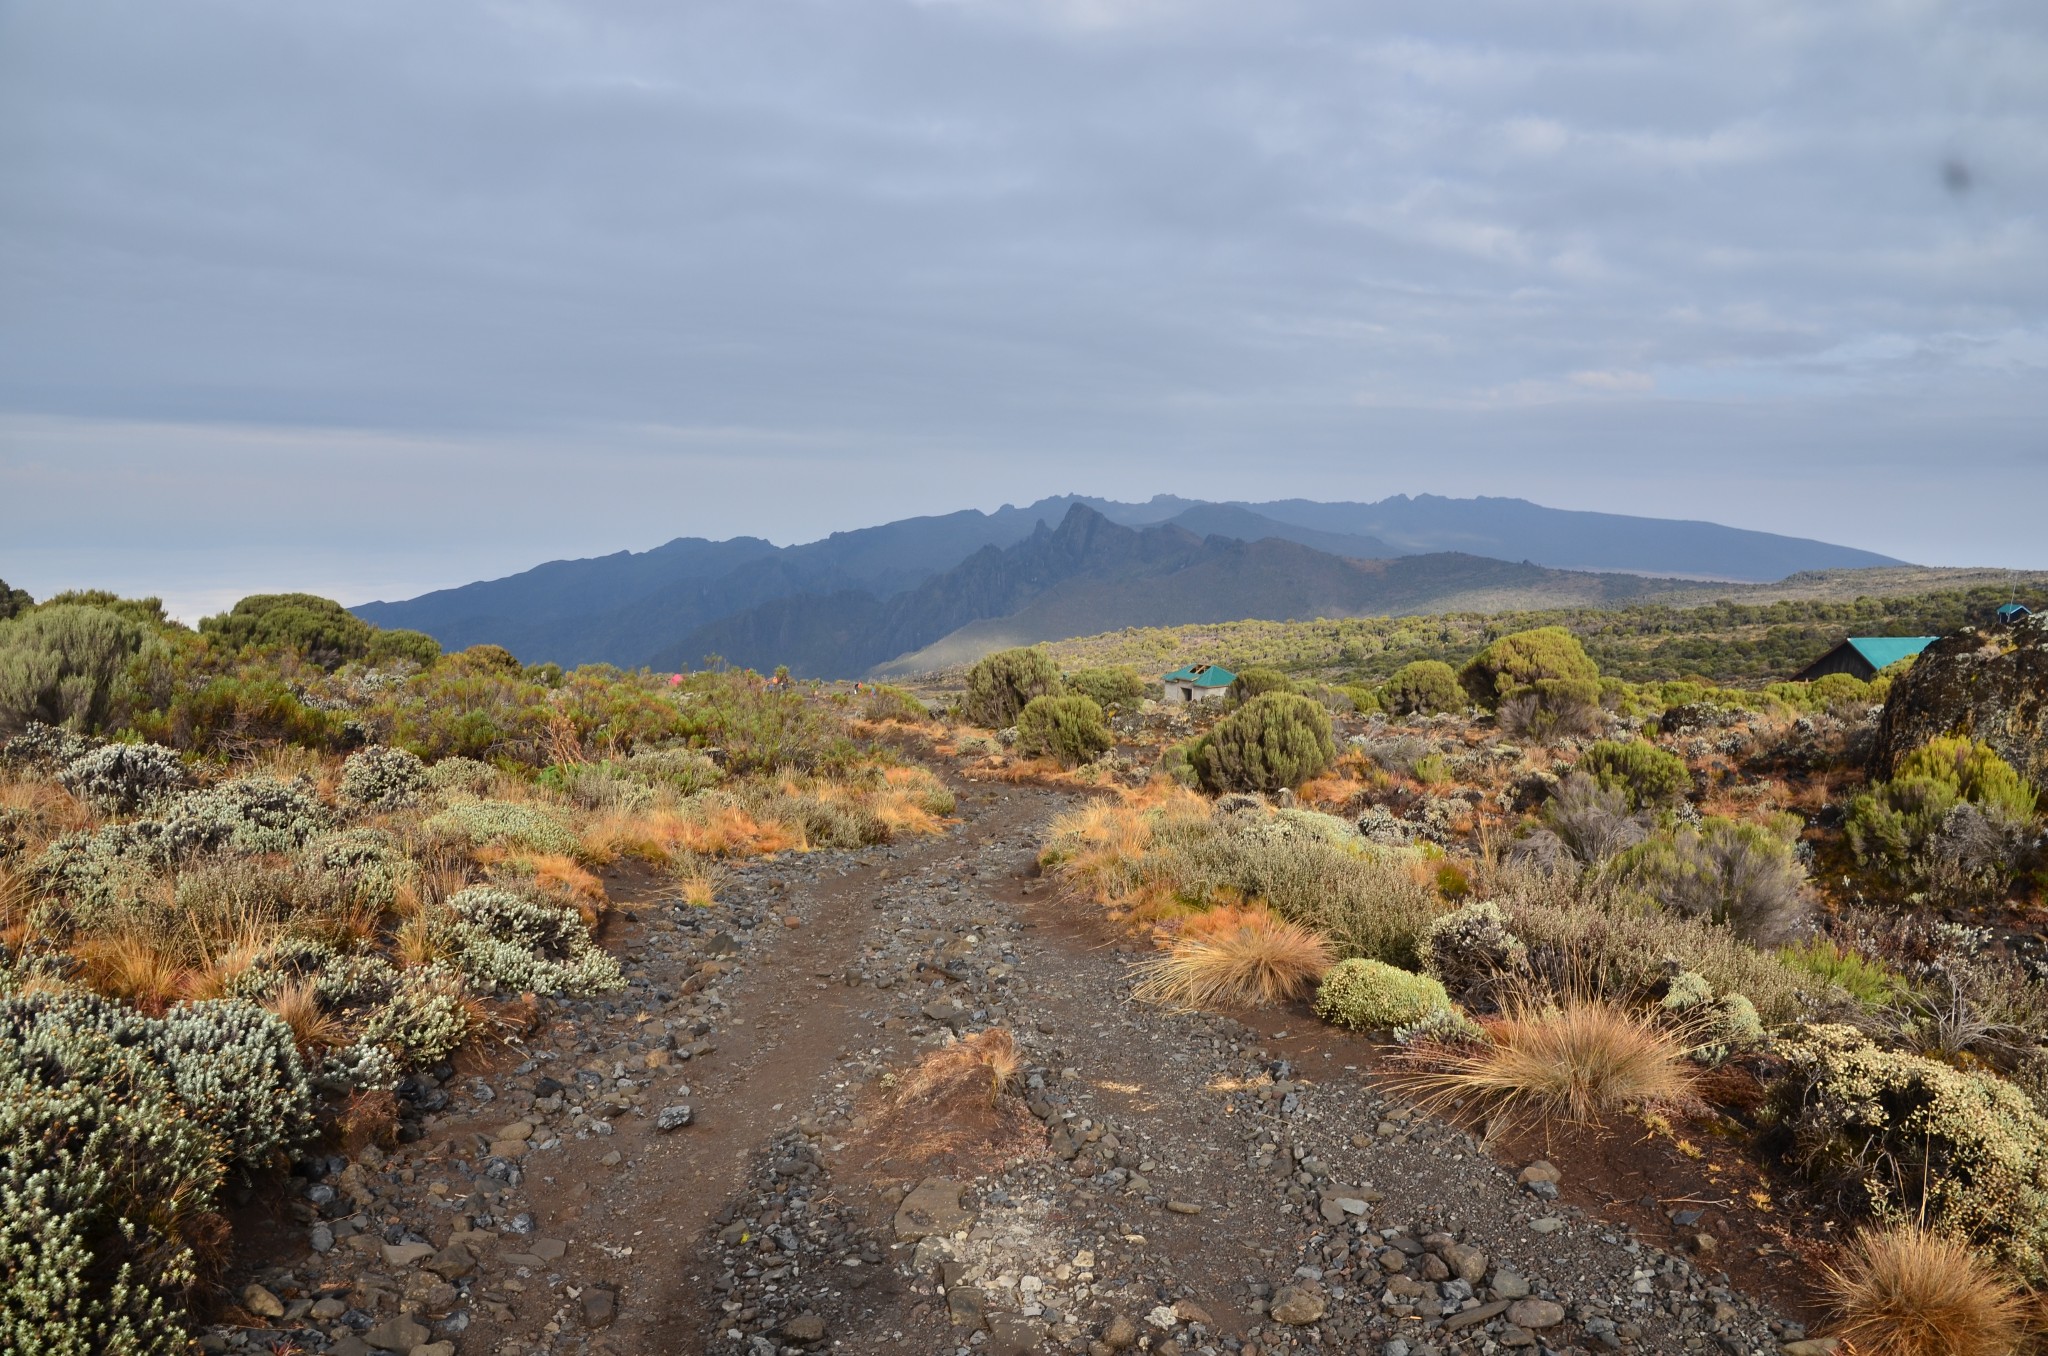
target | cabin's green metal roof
x=1881, y=651
x=2014, y=610
x=1202, y=675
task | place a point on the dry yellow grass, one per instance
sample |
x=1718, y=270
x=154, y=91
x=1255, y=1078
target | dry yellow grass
x=417, y=942
x=135, y=970
x=229, y=958
x=986, y=1059
x=1235, y=957
x=313, y=1026
x=1906, y=1292
x=1578, y=1059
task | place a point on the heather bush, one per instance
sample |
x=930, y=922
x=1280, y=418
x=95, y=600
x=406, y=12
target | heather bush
x=520, y=944
x=1645, y=774
x=1371, y=995
x=1870, y=982
x=382, y=778
x=1971, y=770
x=1518, y=661
x=1743, y=876
x=1276, y=741
x=13, y=601
x=1722, y=1027
x=510, y=823
x=318, y=628
x=1113, y=689
x=426, y=1017
x=1955, y=818
x=1257, y=682
x=1905, y=1138
x=366, y=864
x=64, y=665
x=1069, y=729
x=999, y=686
x=45, y=748
x=1592, y=820
x=1551, y=709
x=1425, y=687
x=120, y=779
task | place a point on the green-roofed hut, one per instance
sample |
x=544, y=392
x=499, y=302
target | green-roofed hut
x=1862, y=656
x=2012, y=614
x=1196, y=683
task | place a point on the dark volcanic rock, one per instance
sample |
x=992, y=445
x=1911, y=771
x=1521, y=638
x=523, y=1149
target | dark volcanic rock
x=1992, y=686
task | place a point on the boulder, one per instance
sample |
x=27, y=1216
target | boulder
x=1991, y=686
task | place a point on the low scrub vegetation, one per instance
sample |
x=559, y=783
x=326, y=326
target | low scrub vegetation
x=253, y=875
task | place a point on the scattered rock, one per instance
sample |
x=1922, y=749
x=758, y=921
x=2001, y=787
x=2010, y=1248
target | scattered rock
x=1299, y=1304
x=260, y=1302
x=600, y=1307
x=933, y=1208
x=674, y=1117
x=1535, y=1314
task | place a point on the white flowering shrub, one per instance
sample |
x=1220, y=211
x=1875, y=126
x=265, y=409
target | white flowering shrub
x=427, y=1016
x=116, y=1132
x=513, y=823
x=340, y=980
x=122, y=779
x=359, y=1068
x=246, y=814
x=365, y=863
x=1726, y=1025
x=382, y=778
x=518, y=943
x=1471, y=948
x=93, y=873
x=1909, y=1138
x=45, y=748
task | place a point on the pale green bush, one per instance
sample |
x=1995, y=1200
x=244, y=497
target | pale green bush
x=121, y=779
x=425, y=1019
x=514, y=823
x=1371, y=995
x=513, y=942
x=461, y=776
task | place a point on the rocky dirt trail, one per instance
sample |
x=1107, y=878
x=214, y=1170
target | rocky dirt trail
x=720, y=1159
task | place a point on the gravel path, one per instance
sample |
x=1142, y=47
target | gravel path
x=713, y=1162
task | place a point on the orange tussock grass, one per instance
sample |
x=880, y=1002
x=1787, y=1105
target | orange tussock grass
x=313, y=1026
x=1103, y=844
x=369, y=1117
x=227, y=960
x=135, y=970
x=1907, y=1292
x=986, y=1059
x=1241, y=957
x=417, y=942
x=557, y=874
x=1577, y=1059
x=658, y=836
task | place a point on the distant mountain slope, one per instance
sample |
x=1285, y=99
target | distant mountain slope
x=1569, y=539
x=664, y=605
x=1275, y=580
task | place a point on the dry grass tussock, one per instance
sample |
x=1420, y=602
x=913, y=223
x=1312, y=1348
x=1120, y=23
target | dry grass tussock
x=134, y=969
x=1235, y=957
x=1577, y=1059
x=1103, y=846
x=313, y=1026
x=988, y=1062
x=555, y=874
x=1907, y=1292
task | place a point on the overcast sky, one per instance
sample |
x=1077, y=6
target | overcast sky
x=378, y=296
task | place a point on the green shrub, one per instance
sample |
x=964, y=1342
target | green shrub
x=1471, y=949
x=245, y=814
x=1364, y=700
x=999, y=686
x=1645, y=774
x=1256, y=683
x=1371, y=995
x=1113, y=689
x=1592, y=820
x=1742, y=876
x=885, y=703
x=1550, y=709
x=1272, y=742
x=365, y=864
x=1724, y=1026
x=521, y=944
x=382, y=778
x=1908, y=1138
x=1868, y=981
x=481, y=822
x=465, y=776
x=1427, y=687
x=319, y=628
x=13, y=602
x=1973, y=771
x=1518, y=661
x=425, y=1019
x=1069, y=729
x=65, y=666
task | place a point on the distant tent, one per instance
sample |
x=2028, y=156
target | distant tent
x=1862, y=656
x=1196, y=682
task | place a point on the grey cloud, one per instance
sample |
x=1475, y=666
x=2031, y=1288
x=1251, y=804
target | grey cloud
x=997, y=248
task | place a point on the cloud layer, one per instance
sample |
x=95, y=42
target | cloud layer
x=384, y=295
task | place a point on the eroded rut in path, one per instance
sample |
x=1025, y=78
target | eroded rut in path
x=1179, y=1182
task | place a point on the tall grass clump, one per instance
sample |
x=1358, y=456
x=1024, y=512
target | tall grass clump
x=1906, y=1291
x=1578, y=1059
x=1235, y=957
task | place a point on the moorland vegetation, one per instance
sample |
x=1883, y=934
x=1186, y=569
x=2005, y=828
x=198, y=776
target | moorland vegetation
x=1667, y=902
x=265, y=883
